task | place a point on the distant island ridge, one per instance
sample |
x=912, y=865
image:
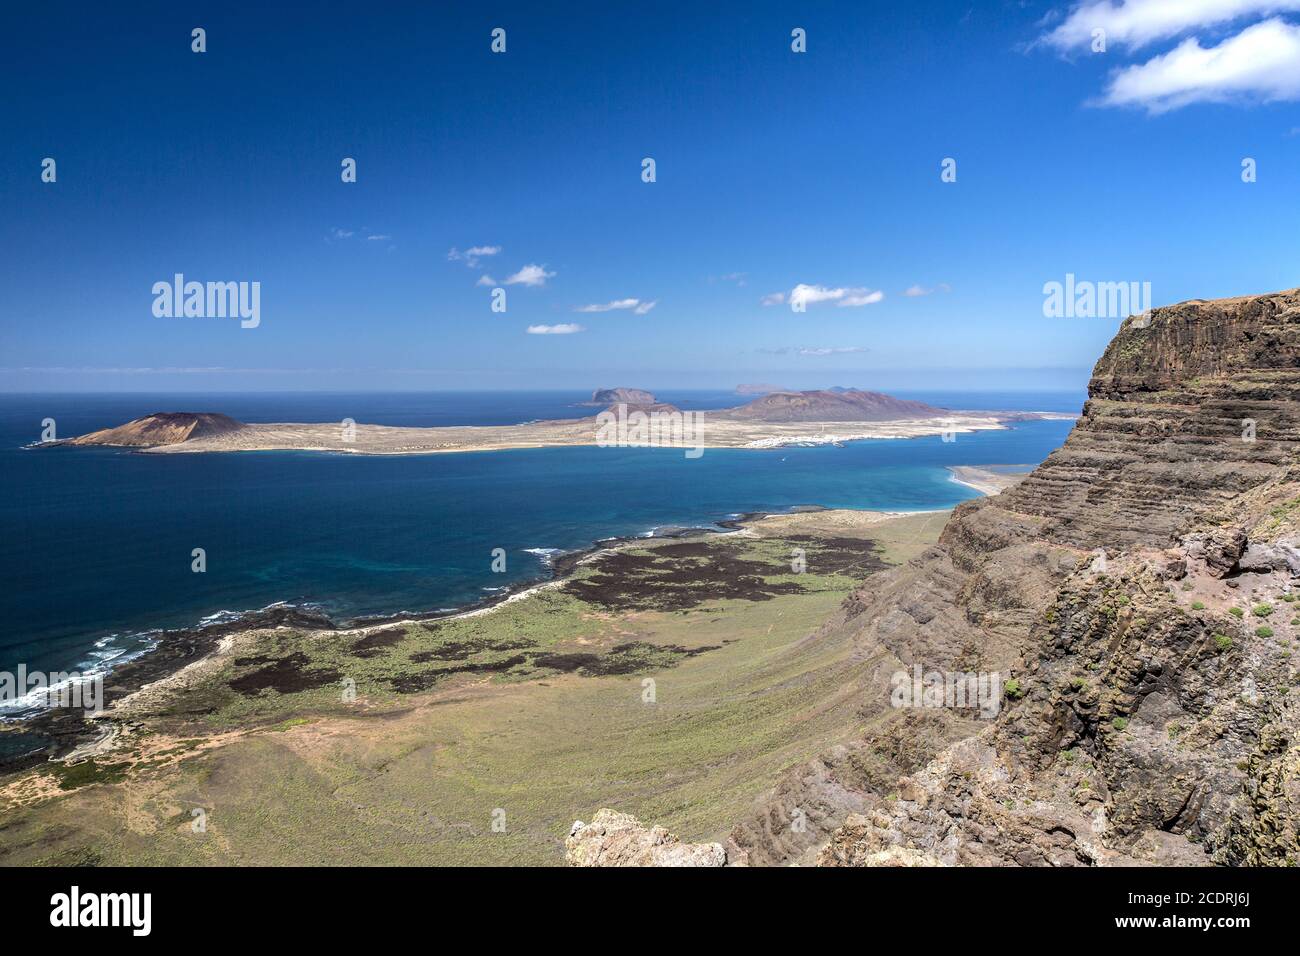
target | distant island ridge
x=774, y=419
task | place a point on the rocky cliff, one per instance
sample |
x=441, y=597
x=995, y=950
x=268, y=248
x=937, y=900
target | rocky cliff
x=1136, y=597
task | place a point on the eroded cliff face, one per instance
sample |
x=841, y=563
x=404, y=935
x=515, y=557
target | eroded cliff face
x=1138, y=595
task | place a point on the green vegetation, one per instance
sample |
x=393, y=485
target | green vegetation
x=75, y=775
x=1013, y=689
x=1282, y=514
x=538, y=708
x=1198, y=605
x=1263, y=631
x=1222, y=641
x=1236, y=612
x=1262, y=610
x=1119, y=723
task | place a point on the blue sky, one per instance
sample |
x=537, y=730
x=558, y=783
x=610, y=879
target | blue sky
x=774, y=170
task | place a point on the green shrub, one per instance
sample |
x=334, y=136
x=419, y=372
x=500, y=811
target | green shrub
x=1013, y=689
x=1198, y=605
x=1262, y=610
x=1263, y=631
x=1119, y=723
x=1236, y=612
x=1222, y=641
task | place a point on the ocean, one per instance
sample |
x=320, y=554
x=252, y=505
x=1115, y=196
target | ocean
x=96, y=544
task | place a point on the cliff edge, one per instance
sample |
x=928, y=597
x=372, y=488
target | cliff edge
x=1134, y=601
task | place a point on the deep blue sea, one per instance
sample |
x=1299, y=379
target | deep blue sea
x=95, y=544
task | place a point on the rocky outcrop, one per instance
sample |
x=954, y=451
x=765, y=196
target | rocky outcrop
x=828, y=405
x=626, y=396
x=162, y=428
x=618, y=839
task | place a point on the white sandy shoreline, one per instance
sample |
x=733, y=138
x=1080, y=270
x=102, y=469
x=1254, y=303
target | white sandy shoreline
x=984, y=480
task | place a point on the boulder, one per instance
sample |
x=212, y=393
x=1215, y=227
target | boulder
x=620, y=839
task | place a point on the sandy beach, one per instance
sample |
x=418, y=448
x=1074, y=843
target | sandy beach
x=984, y=480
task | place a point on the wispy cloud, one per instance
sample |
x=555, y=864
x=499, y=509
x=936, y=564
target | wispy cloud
x=815, y=351
x=566, y=328
x=638, y=306
x=1262, y=63
x=530, y=275
x=916, y=291
x=802, y=296
x=472, y=255
x=339, y=234
x=739, y=278
x=1139, y=23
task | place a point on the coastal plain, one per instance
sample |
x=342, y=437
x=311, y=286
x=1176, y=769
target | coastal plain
x=713, y=432
x=676, y=678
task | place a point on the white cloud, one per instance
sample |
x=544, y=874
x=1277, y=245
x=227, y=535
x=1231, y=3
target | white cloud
x=856, y=297
x=378, y=238
x=636, y=305
x=816, y=351
x=486, y=279
x=610, y=306
x=1260, y=63
x=1138, y=23
x=915, y=291
x=803, y=295
x=567, y=328
x=530, y=275
x=843, y=350
x=337, y=233
x=472, y=255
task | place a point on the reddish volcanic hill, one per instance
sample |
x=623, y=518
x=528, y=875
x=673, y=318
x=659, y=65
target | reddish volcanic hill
x=162, y=428
x=833, y=406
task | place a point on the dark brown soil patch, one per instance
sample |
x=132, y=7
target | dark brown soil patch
x=694, y=573
x=839, y=555
x=412, y=683
x=621, y=659
x=463, y=650
x=372, y=645
x=285, y=676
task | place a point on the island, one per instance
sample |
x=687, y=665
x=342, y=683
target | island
x=776, y=419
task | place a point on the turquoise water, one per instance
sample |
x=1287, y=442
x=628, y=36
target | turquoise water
x=95, y=544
